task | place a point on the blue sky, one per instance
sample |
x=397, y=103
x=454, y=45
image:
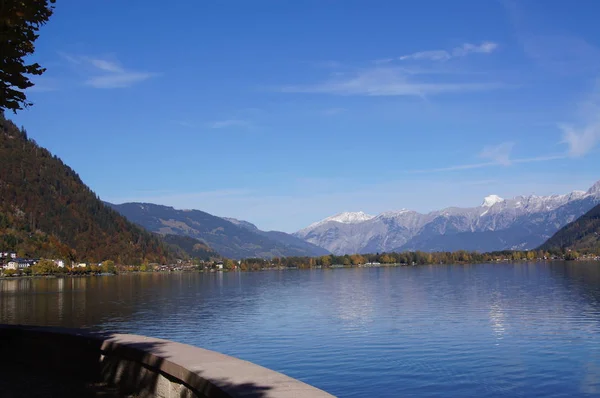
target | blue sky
x=282, y=113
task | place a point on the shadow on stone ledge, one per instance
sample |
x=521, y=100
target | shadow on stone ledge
x=53, y=362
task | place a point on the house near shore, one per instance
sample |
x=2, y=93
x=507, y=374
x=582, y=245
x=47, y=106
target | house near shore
x=20, y=263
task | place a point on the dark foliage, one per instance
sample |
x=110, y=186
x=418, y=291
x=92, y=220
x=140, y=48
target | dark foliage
x=19, y=23
x=582, y=234
x=47, y=211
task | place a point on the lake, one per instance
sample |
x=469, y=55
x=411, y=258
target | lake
x=493, y=330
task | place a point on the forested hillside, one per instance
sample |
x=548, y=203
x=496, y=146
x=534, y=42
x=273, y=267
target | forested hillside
x=47, y=211
x=582, y=234
x=229, y=237
x=190, y=247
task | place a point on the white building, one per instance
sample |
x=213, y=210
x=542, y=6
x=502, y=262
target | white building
x=19, y=264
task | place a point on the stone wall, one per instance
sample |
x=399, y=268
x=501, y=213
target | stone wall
x=137, y=366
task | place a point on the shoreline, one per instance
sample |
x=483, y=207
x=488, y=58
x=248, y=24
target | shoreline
x=332, y=267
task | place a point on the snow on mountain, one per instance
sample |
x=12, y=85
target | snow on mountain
x=350, y=217
x=521, y=222
x=595, y=189
x=491, y=200
x=344, y=218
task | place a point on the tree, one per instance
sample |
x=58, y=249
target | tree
x=44, y=267
x=108, y=267
x=19, y=22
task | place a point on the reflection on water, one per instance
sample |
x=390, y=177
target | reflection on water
x=497, y=317
x=469, y=330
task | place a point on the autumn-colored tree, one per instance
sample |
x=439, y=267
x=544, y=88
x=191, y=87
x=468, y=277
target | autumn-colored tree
x=20, y=21
x=357, y=259
x=44, y=267
x=108, y=267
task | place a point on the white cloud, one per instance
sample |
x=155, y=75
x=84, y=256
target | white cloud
x=381, y=81
x=106, y=65
x=498, y=154
x=221, y=124
x=118, y=80
x=433, y=55
x=486, y=47
x=105, y=73
x=583, y=138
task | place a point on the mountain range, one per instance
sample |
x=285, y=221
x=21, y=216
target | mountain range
x=46, y=210
x=520, y=223
x=230, y=237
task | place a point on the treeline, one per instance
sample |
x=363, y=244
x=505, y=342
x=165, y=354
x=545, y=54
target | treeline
x=48, y=267
x=403, y=258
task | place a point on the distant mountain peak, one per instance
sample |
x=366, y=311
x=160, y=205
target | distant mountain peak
x=491, y=200
x=347, y=217
x=396, y=212
x=350, y=217
x=594, y=189
x=521, y=222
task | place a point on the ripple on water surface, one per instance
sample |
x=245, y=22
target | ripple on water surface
x=482, y=330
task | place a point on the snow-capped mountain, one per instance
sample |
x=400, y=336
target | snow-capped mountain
x=523, y=222
x=344, y=218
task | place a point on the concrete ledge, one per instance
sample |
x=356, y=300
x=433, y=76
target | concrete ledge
x=143, y=366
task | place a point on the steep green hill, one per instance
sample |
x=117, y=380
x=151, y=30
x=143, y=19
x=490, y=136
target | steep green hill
x=47, y=211
x=582, y=234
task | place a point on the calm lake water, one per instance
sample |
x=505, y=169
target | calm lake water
x=509, y=330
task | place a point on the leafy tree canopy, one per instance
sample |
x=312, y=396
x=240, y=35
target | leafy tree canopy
x=20, y=21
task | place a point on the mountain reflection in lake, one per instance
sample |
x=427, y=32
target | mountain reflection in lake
x=464, y=330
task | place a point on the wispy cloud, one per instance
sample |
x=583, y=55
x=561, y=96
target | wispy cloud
x=106, y=65
x=118, y=80
x=106, y=73
x=584, y=137
x=486, y=47
x=382, y=81
x=498, y=155
x=581, y=140
x=221, y=124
